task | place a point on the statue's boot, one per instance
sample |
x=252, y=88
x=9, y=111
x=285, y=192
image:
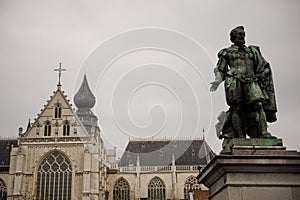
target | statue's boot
x=227, y=146
x=262, y=124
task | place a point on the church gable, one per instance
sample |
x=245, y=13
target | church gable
x=57, y=119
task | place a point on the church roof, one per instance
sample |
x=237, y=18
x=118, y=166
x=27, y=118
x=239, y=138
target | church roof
x=5, y=148
x=161, y=152
x=84, y=98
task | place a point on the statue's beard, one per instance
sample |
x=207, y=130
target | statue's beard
x=240, y=42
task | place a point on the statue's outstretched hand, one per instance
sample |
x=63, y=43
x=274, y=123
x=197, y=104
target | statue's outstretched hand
x=214, y=85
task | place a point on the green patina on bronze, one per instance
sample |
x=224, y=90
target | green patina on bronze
x=249, y=92
x=257, y=142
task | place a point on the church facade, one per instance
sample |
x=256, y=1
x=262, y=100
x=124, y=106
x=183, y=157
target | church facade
x=61, y=156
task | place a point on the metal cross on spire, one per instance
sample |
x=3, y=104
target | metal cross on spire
x=59, y=70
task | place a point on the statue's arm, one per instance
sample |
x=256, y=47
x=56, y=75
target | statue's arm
x=220, y=70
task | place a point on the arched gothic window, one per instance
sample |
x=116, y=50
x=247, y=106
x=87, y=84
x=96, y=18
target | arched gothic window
x=3, y=190
x=47, y=129
x=191, y=183
x=121, y=190
x=66, y=129
x=156, y=189
x=54, y=178
x=57, y=111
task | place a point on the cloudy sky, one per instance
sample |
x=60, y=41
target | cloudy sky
x=148, y=62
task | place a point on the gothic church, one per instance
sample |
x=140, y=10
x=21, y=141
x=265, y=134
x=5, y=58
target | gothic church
x=61, y=156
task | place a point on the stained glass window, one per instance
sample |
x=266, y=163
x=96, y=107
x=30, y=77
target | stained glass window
x=156, y=189
x=3, y=190
x=121, y=190
x=191, y=184
x=54, y=180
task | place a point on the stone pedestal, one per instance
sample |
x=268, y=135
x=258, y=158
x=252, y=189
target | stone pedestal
x=253, y=172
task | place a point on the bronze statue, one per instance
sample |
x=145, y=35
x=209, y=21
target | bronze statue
x=249, y=90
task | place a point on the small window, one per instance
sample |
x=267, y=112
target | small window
x=47, y=129
x=57, y=111
x=66, y=129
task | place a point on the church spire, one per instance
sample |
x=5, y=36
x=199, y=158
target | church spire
x=84, y=98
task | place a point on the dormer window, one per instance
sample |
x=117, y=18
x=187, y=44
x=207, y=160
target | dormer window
x=193, y=152
x=47, y=129
x=160, y=152
x=130, y=163
x=57, y=111
x=66, y=129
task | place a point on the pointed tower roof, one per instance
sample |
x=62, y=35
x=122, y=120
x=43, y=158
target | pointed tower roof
x=84, y=98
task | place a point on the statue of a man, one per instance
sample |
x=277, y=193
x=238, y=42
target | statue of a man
x=249, y=89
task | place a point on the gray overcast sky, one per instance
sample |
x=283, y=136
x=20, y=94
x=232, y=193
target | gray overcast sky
x=36, y=35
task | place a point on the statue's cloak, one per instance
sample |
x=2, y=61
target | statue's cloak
x=264, y=75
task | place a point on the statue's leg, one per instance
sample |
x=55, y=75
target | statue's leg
x=261, y=121
x=252, y=128
x=236, y=120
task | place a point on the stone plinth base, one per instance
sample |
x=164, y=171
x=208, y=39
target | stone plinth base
x=253, y=172
x=257, y=142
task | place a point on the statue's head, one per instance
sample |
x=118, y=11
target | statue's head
x=237, y=35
